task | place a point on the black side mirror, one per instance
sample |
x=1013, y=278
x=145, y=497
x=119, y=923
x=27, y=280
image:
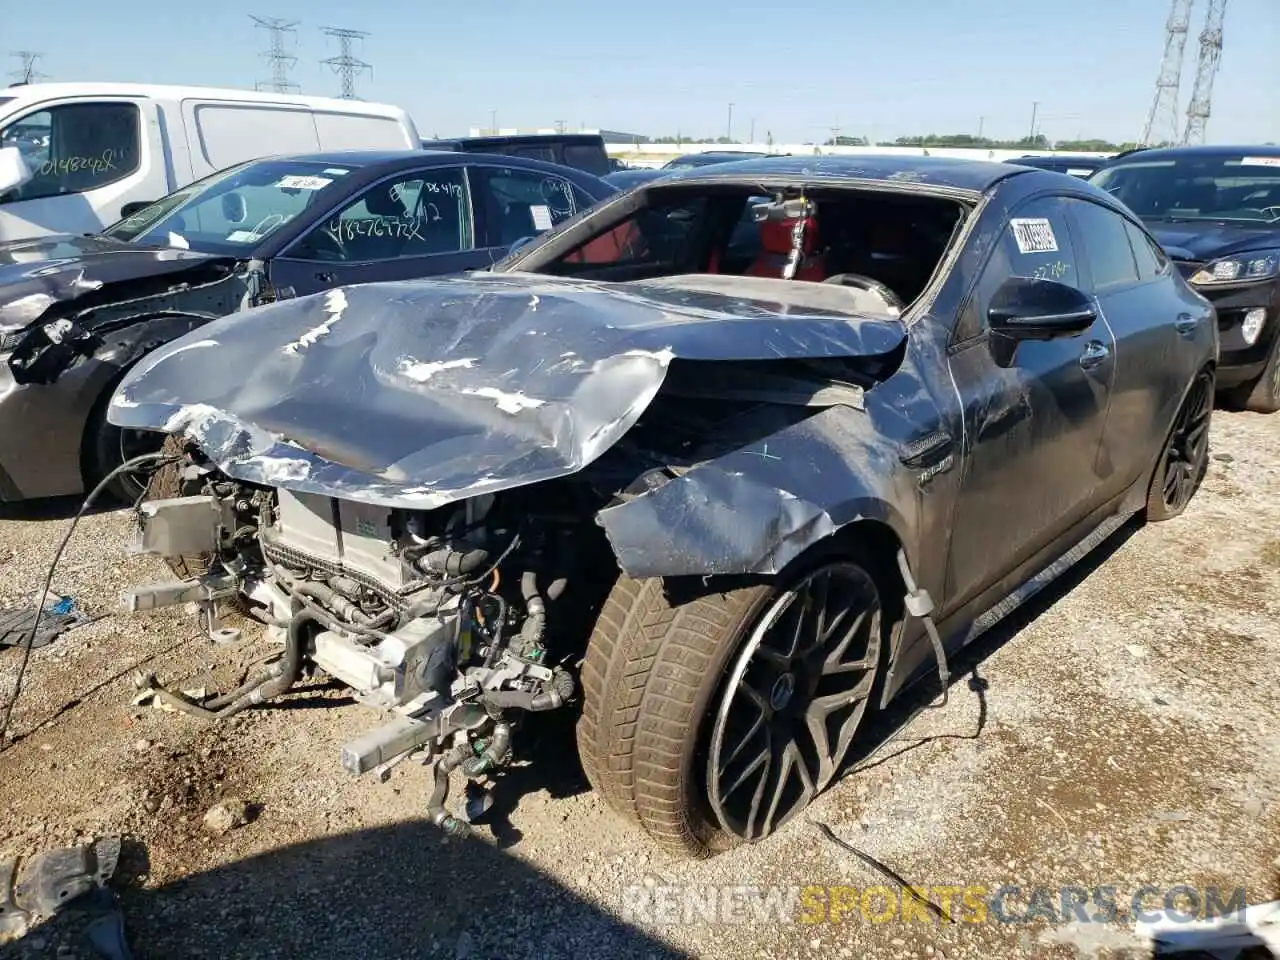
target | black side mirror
x=129, y=209
x=1028, y=309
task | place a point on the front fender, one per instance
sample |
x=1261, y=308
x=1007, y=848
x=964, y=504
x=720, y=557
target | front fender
x=754, y=510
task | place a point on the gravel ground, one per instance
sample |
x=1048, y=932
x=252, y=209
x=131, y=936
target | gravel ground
x=1123, y=731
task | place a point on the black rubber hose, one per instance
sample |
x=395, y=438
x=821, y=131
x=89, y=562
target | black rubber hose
x=561, y=690
x=499, y=624
x=494, y=755
x=436, y=811
x=278, y=679
x=455, y=563
x=303, y=591
x=535, y=624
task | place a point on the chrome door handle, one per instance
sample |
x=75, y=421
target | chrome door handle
x=1094, y=354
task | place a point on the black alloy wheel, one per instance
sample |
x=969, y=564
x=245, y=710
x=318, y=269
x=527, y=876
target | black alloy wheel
x=794, y=700
x=1185, y=458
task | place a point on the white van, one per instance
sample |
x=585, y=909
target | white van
x=76, y=157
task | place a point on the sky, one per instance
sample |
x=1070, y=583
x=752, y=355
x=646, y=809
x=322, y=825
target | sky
x=660, y=67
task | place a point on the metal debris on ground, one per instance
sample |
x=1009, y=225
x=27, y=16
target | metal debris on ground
x=55, y=619
x=56, y=880
x=1244, y=934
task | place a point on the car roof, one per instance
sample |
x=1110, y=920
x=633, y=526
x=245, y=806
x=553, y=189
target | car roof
x=368, y=158
x=976, y=176
x=517, y=138
x=1207, y=151
x=373, y=163
x=87, y=88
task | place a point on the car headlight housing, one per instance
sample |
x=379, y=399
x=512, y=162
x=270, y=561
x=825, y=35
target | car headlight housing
x=1242, y=268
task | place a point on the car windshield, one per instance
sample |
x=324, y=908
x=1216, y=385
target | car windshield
x=233, y=210
x=1239, y=188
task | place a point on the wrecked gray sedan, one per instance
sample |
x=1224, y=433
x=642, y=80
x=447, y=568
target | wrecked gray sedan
x=731, y=460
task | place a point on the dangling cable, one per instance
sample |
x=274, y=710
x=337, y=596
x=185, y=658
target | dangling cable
x=159, y=459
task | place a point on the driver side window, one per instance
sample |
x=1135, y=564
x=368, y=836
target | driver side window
x=1036, y=243
x=75, y=148
x=416, y=214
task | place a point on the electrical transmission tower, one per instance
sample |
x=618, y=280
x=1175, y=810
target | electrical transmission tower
x=1162, y=121
x=28, y=72
x=345, y=64
x=281, y=62
x=1206, y=70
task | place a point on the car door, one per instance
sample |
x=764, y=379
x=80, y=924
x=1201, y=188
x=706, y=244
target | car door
x=415, y=223
x=1033, y=410
x=515, y=203
x=88, y=158
x=1155, y=320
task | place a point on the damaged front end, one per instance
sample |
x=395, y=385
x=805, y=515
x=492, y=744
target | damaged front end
x=438, y=616
x=426, y=490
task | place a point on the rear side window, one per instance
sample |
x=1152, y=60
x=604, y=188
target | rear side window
x=1151, y=259
x=515, y=204
x=547, y=154
x=232, y=133
x=1104, y=239
x=354, y=131
x=75, y=148
x=591, y=159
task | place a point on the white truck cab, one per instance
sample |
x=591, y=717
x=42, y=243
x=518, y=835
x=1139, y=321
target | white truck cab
x=76, y=157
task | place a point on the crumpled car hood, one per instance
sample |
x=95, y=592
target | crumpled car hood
x=419, y=393
x=41, y=271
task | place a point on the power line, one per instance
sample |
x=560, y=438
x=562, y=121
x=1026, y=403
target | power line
x=1206, y=70
x=281, y=62
x=28, y=72
x=345, y=64
x=1162, y=121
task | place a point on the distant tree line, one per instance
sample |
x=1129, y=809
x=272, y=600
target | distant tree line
x=1038, y=142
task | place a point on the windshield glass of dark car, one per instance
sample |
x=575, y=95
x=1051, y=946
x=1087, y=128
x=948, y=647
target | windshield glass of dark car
x=232, y=211
x=1240, y=188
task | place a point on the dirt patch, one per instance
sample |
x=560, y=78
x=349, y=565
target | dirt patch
x=1124, y=732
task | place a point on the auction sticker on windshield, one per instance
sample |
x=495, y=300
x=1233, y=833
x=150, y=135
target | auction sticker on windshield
x=1034, y=235
x=296, y=182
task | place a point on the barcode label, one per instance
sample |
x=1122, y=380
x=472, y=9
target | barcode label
x=1034, y=235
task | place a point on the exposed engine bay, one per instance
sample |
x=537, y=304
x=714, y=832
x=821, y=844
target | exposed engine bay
x=440, y=616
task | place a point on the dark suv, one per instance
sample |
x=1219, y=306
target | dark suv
x=1216, y=212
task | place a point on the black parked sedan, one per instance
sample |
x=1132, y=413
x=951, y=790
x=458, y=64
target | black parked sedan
x=1076, y=166
x=76, y=312
x=745, y=485
x=1216, y=211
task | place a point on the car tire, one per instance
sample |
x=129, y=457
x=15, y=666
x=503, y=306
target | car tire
x=1262, y=395
x=1184, y=457
x=106, y=446
x=665, y=684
